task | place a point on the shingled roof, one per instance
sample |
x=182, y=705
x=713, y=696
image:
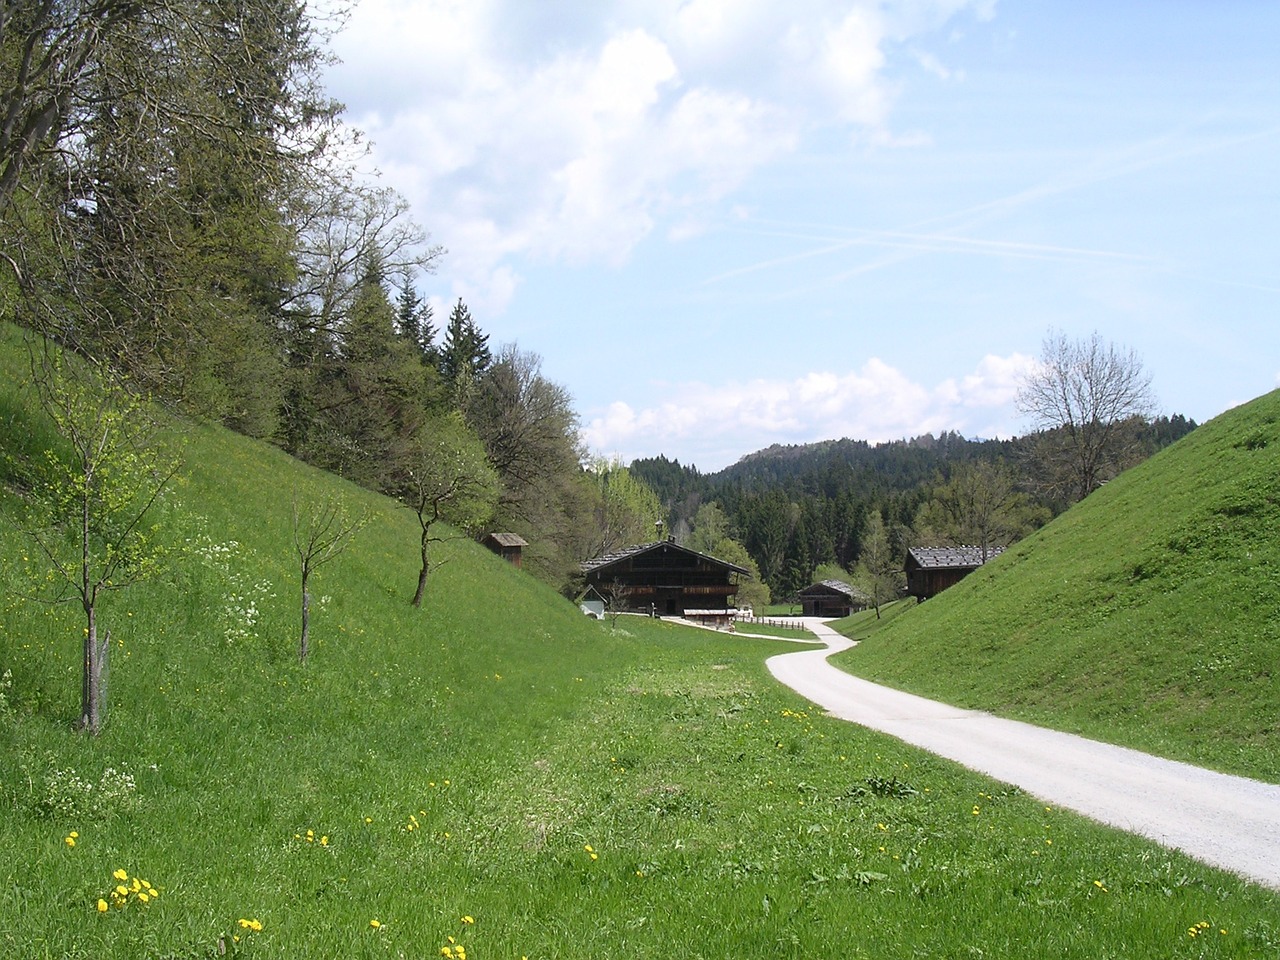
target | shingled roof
x=612, y=558
x=839, y=586
x=951, y=558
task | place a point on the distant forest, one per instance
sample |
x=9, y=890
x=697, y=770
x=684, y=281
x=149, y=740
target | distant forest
x=803, y=509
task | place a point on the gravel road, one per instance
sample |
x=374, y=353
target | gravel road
x=1229, y=822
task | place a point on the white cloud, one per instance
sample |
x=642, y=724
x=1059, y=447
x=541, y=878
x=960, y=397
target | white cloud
x=522, y=130
x=709, y=425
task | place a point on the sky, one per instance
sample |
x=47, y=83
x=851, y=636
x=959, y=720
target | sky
x=726, y=224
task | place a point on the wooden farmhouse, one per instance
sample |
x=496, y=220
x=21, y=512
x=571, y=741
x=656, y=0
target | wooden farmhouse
x=668, y=580
x=832, y=599
x=509, y=546
x=930, y=570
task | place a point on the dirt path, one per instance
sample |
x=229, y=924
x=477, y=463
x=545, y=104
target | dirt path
x=1226, y=821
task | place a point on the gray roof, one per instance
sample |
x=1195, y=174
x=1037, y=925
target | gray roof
x=614, y=557
x=839, y=586
x=508, y=539
x=950, y=558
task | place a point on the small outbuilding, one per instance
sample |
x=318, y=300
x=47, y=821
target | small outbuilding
x=930, y=570
x=832, y=599
x=665, y=578
x=592, y=604
x=509, y=546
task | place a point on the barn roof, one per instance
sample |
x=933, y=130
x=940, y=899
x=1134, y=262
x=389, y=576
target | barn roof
x=508, y=539
x=950, y=558
x=836, y=586
x=617, y=556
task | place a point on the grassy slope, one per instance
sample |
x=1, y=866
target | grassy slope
x=459, y=760
x=1147, y=615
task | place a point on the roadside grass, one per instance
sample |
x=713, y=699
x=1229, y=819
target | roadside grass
x=1147, y=615
x=774, y=628
x=865, y=623
x=497, y=773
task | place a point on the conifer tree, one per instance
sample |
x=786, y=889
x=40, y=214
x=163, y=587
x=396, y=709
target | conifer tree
x=414, y=318
x=464, y=355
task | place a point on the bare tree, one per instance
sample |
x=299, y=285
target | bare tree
x=1084, y=395
x=319, y=536
x=90, y=505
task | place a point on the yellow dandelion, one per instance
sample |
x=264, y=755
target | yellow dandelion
x=73, y=835
x=102, y=906
x=70, y=841
x=120, y=875
x=446, y=951
x=468, y=919
x=375, y=924
x=324, y=841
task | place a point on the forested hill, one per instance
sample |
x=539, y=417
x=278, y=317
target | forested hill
x=798, y=507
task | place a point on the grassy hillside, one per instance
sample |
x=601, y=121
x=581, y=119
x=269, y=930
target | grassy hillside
x=1148, y=615
x=495, y=776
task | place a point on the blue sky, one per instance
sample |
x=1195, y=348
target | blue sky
x=724, y=224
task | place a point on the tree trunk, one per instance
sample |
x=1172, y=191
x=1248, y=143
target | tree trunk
x=422, y=574
x=306, y=619
x=93, y=682
x=422, y=583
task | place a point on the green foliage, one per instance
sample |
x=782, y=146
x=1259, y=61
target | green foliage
x=89, y=501
x=979, y=505
x=879, y=571
x=464, y=354
x=1146, y=615
x=626, y=511
x=468, y=761
x=710, y=535
x=447, y=480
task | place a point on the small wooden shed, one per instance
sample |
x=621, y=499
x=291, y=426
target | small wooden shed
x=832, y=599
x=930, y=570
x=507, y=545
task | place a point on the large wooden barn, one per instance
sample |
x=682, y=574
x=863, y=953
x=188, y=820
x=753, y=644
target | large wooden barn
x=832, y=599
x=666, y=579
x=930, y=570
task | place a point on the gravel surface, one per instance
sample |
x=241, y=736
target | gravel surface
x=1229, y=822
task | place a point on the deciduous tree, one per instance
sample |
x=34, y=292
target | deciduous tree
x=980, y=505
x=446, y=480
x=93, y=502
x=321, y=532
x=879, y=571
x=1085, y=395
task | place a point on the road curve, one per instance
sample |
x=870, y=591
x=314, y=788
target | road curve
x=1229, y=822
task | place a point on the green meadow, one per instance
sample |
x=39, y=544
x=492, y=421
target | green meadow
x=1147, y=615
x=494, y=775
